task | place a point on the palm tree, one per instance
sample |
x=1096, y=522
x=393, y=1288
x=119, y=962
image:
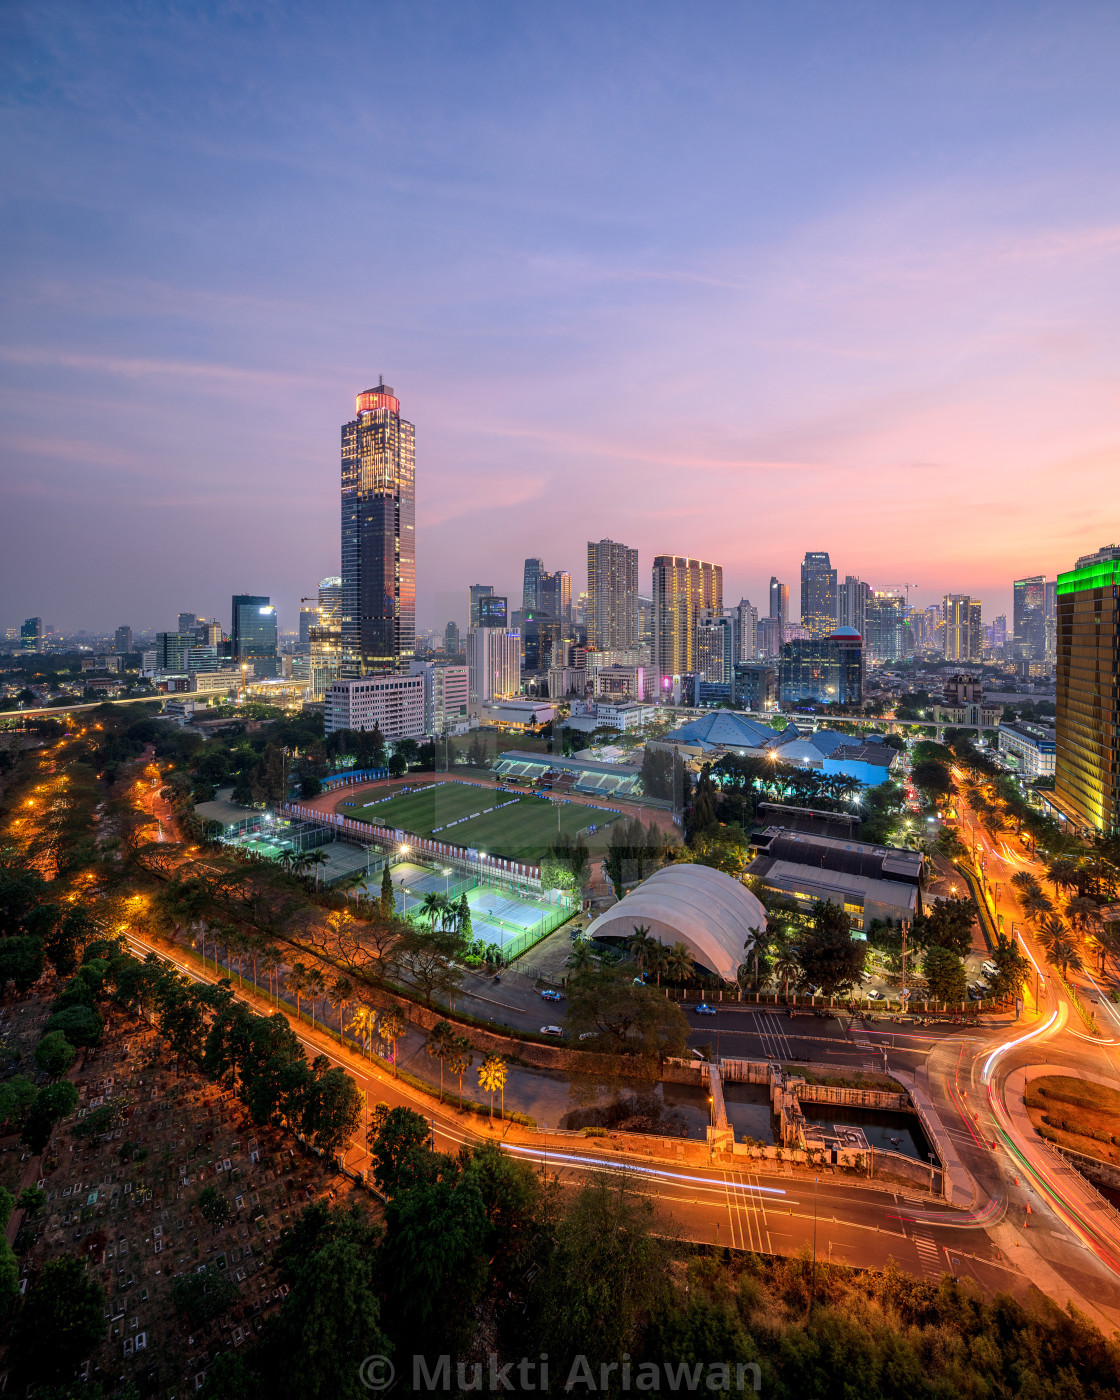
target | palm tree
x=362, y=1021
x=358, y=881
x=680, y=962
x=1081, y=912
x=317, y=858
x=1064, y=955
x=1053, y=926
x=316, y=986
x=432, y=905
x=786, y=965
x=440, y=1042
x=1064, y=872
x=1036, y=905
x=639, y=945
x=271, y=958
x=341, y=994
x=757, y=942
x=1026, y=883
x=581, y=956
x=492, y=1075
x=297, y=982
x=391, y=1029
x=459, y=1059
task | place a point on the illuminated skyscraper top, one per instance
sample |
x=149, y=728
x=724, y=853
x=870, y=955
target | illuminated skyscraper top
x=378, y=613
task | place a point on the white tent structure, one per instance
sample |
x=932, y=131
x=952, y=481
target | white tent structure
x=706, y=910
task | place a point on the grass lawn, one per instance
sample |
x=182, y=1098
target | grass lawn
x=521, y=831
x=1076, y=1114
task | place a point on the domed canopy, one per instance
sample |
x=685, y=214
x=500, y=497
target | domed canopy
x=706, y=910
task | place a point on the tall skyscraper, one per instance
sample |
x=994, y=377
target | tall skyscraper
x=779, y=606
x=188, y=621
x=554, y=597
x=1087, y=759
x=1029, y=617
x=612, y=597
x=478, y=591
x=682, y=588
x=884, y=626
x=31, y=635
x=492, y=611
x=962, y=639
x=851, y=604
x=123, y=641
x=818, y=595
x=253, y=634
x=715, y=649
x=533, y=570
x=378, y=536
x=746, y=631
x=495, y=663
x=451, y=642
x=324, y=636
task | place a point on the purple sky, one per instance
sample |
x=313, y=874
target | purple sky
x=735, y=280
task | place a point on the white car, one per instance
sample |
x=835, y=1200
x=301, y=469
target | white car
x=875, y=994
x=551, y=1030
x=989, y=969
x=588, y=1035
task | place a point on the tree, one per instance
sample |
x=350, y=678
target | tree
x=1035, y=906
x=54, y=1054
x=203, y=1295
x=945, y=974
x=680, y=962
x=755, y=945
x=830, y=958
x=786, y=965
x=635, y=1017
x=15, y=1095
x=331, y=1107
x=460, y=1058
x=427, y=956
x=492, y=1074
x=21, y=962
x=297, y=982
x=60, y=1323
x=441, y=1039
x=316, y=986
x=398, y=766
x=1014, y=969
x=464, y=921
x=932, y=777
x=1025, y=883
x=391, y=1029
x=214, y=1207
x=948, y=924
x=49, y=1107
x=397, y=1139
x=388, y=899
x=341, y=994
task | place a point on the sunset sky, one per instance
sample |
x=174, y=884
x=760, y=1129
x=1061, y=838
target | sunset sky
x=732, y=280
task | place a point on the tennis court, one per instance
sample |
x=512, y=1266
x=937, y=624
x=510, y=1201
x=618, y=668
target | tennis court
x=496, y=916
x=518, y=826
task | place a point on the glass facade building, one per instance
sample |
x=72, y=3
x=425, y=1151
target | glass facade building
x=682, y=590
x=31, y=634
x=378, y=620
x=1087, y=762
x=253, y=634
x=825, y=670
x=818, y=595
x=1029, y=617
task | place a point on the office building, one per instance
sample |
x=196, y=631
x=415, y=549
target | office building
x=495, y=664
x=209, y=634
x=324, y=635
x=253, y=634
x=754, y=686
x=451, y=640
x=533, y=570
x=478, y=592
x=612, y=610
x=716, y=652
x=543, y=645
x=962, y=639
x=1051, y=610
x=393, y=704
x=188, y=621
x=173, y=650
x=682, y=589
x=997, y=632
x=624, y=683
x=122, y=642
x=818, y=595
x=884, y=626
x=378, y=536
x=308, y=617
x=1029, y=617
x=1028, y=747
x=824, y=670
x=851, y=604
x=554, y=597
x=779, y=607
x=1087, y=770
x=492, y=611
x=446, y=695
x=31, y=635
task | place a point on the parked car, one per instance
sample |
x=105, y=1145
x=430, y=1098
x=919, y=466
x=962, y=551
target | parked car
x=703, y=1009
x=875, y=994
x=865, y=976
x=588, y=1035
x=989, y=968
x=551, y=1030
x=549, y=995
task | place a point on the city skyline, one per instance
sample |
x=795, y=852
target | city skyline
x=848, y=312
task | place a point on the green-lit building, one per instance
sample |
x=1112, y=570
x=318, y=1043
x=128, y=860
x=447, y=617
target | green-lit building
x=1087, y=766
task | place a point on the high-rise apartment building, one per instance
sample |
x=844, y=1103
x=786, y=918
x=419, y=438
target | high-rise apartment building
x=1087, y=761
x=31, y=635
x=779, y=606
x=495, y=664
x=554, y=597
x=715, y=649
x=818, y=595
x=122, y=642
x=962, y=639
x=1051, y=620
x=851, y=604
x=746, y=631
x=1029, y=617
x=612, y=611
x=446, y=694
x=253, y=634
x=533, y=570
x=378, y=536
x=682, y=589
x=884, y=626
x=478, y=592
x=324, y=636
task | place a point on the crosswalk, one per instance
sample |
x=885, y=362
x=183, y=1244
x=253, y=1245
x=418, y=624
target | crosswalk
x=928, y=1253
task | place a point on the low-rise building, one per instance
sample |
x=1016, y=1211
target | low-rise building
x=393, y=704
x=623, y=714
x=624, y=682
x=1031, y=748
x=215, y=682
x=868, y=882
x=971, y=714
x=518, y=714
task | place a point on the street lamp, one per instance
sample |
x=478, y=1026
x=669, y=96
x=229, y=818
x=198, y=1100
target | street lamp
x=447, y=883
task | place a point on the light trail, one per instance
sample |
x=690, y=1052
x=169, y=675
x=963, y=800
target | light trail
x=605, y=1164
x=1001, y=1050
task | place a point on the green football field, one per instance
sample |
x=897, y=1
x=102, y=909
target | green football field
x=521, y=831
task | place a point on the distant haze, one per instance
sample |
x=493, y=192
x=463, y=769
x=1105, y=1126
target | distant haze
x=734, y=281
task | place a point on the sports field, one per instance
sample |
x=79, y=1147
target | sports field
x=521, y=828
x=496, y=915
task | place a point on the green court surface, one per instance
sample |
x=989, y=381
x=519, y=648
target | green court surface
x=455, y=812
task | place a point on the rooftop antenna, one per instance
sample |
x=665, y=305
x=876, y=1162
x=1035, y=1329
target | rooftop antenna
x=381, y=381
